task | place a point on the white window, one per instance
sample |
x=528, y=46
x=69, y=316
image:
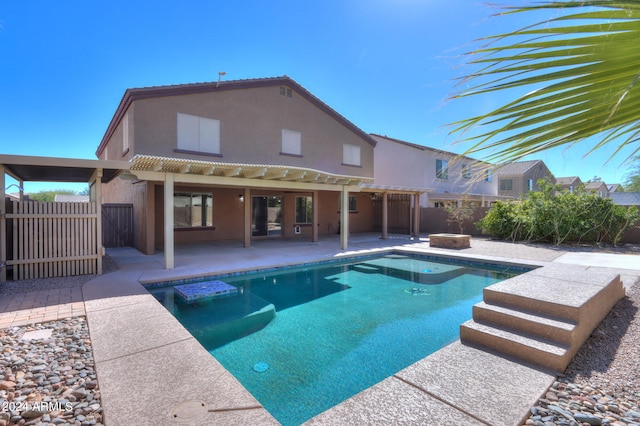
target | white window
x=291, y=142
x=351, y=154
x=442, y=171
x=506, y=185
x=198, y=134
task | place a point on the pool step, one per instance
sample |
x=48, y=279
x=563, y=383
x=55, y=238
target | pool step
x=540, y=326
x=544, y=316
x=516, y=344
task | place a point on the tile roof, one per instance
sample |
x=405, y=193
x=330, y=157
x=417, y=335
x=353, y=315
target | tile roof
x=625, y=198
x=570, y=180
x=134, y=94
x=517, y=168
x=594, y=185
x=379, y=138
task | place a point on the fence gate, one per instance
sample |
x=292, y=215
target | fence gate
x=398, y=213
x=117, y=225
x=52, y=239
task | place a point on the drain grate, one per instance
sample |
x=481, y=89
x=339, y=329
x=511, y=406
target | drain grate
x=189, y=413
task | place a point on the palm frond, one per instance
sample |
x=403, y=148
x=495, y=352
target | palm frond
x=583, y=72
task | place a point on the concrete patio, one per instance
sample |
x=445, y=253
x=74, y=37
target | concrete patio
x=152, y=371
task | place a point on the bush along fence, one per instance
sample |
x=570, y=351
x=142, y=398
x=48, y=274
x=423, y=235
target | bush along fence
x=561, y=217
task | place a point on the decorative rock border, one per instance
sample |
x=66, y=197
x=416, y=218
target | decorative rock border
x=47, y=375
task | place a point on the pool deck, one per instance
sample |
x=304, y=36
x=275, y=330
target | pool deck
x=152, y=371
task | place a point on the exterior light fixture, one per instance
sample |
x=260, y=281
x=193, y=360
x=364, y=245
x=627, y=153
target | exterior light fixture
x=241, y=198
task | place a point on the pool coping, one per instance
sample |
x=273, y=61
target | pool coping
x=152, y=371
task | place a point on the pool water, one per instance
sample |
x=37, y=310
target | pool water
x=305, y=339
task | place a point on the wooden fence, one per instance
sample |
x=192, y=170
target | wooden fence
x=117, y=225
x=52, y=239
x=398, y=210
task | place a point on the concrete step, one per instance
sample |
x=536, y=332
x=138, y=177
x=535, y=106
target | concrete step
x=543, y=316
x=569, y=293
x=530, y=349
x=541, y=326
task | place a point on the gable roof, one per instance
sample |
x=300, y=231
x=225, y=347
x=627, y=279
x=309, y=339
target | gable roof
x=379, y=138
x=570, y=180
x=625, y=198
x=65, y=198
x=131, y=95
x=594, y=185
x=518, y=167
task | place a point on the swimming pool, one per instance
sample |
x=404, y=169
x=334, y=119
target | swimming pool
x=304, y=339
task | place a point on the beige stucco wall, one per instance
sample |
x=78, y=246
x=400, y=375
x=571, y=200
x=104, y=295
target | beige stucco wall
x=399, y=164
x=251, y=123
x=521, y=182
x=228, y=211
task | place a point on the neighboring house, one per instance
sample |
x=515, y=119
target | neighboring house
x=61, y=198
x=442, y=175
x=12, y=196
x=598, y=187
x=625, y=198
x=614, y=187
x=237, y=160
x=521, y=177
x=570, y=183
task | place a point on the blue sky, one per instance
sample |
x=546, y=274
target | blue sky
x=386, y=65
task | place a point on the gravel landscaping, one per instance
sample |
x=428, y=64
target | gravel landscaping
x=601, y=385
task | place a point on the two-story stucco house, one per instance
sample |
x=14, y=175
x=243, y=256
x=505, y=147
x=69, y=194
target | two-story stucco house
x=518, y=178
x=598, y=187
x=570, y=183
x=442, y=176
x=237, y=160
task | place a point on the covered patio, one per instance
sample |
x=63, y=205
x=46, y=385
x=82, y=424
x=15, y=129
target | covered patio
x=172, y=175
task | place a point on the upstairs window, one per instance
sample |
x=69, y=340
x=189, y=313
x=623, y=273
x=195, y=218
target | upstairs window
x=530, y=184
x=506, y=185
x=291, y=143
x=442, y=171
x=198, y=134
x=487, y=175
x=350, y=155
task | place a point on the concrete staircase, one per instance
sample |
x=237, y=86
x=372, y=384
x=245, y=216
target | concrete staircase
x=544, y=316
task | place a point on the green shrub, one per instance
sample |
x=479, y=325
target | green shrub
x=559, y=217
